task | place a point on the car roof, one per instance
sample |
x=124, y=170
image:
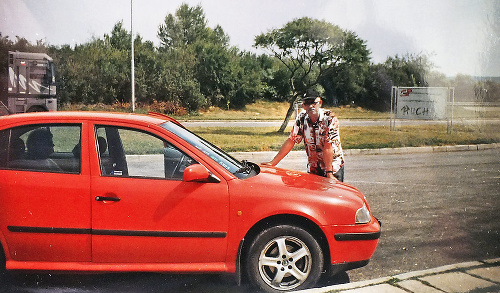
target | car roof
x=151, y=118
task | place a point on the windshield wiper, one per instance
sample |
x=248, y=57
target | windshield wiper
x=245, y=169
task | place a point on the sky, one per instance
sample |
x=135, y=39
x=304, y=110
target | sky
x=460, y=36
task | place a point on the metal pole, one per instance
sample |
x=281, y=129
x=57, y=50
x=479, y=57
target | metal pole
x=391, y=117
x=450, y=103
x=132, y=70
x=452, y=91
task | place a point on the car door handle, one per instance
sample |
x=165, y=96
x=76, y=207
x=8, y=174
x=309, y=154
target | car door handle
x=106, y=198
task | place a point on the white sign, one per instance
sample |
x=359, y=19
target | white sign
x=422, y=103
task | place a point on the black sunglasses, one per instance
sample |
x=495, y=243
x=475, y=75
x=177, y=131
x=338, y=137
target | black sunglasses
x=310, y=103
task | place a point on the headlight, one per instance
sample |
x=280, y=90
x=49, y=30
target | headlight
x=363, y=215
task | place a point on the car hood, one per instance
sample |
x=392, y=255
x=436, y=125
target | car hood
x=280, y=191
x=290, y=179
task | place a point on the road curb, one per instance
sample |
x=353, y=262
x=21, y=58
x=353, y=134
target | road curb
x=461, y=277
x=259, y=157
x=425, y=149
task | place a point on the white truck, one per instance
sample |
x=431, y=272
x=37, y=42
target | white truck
x=30, y=85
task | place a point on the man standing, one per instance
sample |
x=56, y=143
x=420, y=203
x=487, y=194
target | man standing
x=319, y=128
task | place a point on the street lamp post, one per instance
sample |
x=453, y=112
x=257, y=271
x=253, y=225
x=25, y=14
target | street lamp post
x=132, y=70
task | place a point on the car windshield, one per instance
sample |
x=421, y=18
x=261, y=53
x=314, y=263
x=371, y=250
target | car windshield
x=240, y=169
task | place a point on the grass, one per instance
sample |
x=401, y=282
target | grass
x=260, y=110
x=242, y=138
x=416, y=135
x=264, y=110
x=266, y=138
x=353, y=137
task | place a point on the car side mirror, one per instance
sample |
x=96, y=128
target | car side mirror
x=198, y=173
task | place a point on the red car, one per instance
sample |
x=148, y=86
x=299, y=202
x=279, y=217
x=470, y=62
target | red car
x=101, y=192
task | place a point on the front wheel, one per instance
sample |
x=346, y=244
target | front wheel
x=284, y=258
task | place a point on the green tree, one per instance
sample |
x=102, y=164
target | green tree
x=119, y=38
x=217, y=71
x=182, y=38
x=310, y=50
x=248, y=81
x=178, y=82
x=97, y=71
x=213, y=70
x=378, y=85
x=409, y=69
x=186, y=27
x=275, y=78
x=344, y=84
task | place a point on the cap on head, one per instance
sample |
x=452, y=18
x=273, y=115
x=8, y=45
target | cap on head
x=308, y=100
x=310, y=96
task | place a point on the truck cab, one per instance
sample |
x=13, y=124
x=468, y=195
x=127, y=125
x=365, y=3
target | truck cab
x=31, y=85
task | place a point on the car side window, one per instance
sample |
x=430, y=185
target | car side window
x=47, y=148
x=134, y=153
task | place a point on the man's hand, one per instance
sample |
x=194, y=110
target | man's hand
x=330, y=175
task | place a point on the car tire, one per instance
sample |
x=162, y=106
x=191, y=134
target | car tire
x=284, y=258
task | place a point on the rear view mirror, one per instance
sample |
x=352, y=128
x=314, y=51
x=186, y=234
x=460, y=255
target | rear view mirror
x=198, y=173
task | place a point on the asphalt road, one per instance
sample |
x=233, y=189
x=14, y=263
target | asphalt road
x=439, y=209
x=436, y=209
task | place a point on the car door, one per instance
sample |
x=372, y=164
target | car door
x=142, y=211
x=44, y=193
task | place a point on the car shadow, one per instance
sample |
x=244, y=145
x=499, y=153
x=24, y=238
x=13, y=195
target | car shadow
x=133, y=282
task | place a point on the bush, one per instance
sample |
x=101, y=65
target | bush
x=167, y=107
